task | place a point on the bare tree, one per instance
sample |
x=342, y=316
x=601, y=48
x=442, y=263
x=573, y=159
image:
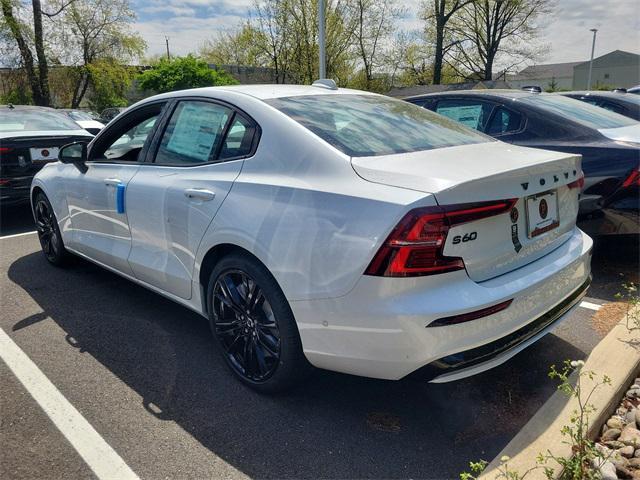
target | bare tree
x=440, y=13
x=375, y=21
x=92, y=30
x=491, y=30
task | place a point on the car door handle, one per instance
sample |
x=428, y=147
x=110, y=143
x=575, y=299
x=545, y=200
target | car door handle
x=112, y=182
x=200, y=194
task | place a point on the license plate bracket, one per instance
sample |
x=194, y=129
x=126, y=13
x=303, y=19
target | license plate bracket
x=543, y=213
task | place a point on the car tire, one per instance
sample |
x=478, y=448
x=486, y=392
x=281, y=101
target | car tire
x=49, y=232
x=254, y=326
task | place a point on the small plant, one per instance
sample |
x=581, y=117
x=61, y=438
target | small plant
x=584, y=453
x=631, y=297
x=579, y=465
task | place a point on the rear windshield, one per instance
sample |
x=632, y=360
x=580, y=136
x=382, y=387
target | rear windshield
x=581, y=112
x=34, y=120
x=369, y=125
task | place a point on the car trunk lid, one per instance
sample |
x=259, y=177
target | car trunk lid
x=541, y=184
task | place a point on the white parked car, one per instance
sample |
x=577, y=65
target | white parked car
x=322, y=226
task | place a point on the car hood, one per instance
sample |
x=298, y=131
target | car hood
x=47, y=133
x=630, y=133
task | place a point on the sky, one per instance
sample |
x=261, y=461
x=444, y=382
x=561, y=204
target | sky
x=190, y=23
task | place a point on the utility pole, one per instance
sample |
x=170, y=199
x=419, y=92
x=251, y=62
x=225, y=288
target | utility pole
x=322, y=70
x=593, y=48
x=166, y=40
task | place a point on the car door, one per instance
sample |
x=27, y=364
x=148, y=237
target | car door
x=96, y=195
x=195, y=158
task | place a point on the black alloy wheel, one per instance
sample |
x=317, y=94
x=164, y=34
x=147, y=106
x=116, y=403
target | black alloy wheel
x=48, y=231
x=246, y=326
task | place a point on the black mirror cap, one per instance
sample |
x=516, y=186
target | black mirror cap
x=532, y=88
x=75, y=152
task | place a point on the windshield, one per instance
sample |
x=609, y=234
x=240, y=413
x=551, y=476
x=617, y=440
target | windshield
x=34, y=120
x=581, y=112
x=369, y=125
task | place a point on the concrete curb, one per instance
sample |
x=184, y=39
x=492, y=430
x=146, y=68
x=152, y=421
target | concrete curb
x=618, y=356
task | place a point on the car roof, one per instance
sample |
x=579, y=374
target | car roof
x=25, y=108
x=588, y=93
x=500, y=93
x=266, y=92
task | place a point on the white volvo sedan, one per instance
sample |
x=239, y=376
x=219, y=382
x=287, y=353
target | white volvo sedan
x=326, y=227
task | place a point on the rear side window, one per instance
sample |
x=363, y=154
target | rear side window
x=504, y=121
x=471, y=113
x=370, y=125
x=239, y=139
x=193, y=133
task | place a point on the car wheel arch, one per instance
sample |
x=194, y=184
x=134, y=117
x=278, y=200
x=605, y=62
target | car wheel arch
x=210, y=260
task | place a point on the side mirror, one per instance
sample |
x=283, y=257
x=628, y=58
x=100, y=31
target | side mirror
x=75, y=153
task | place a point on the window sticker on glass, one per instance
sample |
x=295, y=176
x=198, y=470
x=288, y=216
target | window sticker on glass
x=469, y=116
x=196, y=129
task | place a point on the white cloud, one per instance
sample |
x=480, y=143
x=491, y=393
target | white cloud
x=189, y=23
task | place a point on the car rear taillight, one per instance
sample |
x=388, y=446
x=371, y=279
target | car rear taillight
x=5, y=149
x=579, y=183
x=632, y=179
x=414, y=247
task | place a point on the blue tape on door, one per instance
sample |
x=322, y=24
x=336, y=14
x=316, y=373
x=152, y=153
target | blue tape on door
x=120, y=198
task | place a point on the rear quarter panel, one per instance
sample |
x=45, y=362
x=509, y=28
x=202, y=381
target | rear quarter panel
x=299, y=207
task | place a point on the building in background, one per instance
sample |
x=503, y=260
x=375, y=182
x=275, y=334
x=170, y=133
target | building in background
x=617, y=69
x=553, y=76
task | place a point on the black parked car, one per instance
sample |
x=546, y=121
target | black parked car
x=29, y=138
x=609, y=144
x=626, y=104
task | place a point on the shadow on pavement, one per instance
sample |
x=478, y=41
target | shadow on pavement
x=334, y=426
x=616, y=260
x=16, y=219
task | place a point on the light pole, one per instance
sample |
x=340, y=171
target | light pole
x=322, y=70
x=593, y=48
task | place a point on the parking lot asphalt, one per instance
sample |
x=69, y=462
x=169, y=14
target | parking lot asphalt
x=145, y=374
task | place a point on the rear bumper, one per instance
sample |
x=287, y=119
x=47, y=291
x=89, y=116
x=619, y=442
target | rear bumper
x=379, y=329
x=470, y=362
x=17, y=192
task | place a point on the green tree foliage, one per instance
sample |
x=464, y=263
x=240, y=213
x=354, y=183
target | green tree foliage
x=180, y=73
x=283, y=35
x=96, y=32
x=110, y=82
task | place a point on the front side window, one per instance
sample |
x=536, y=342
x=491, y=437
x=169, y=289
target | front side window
x=193, y=133
x=127, y=146
x=471, y=113
x=370, y=125
x=578, y=111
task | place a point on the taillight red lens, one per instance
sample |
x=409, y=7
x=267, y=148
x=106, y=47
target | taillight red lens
x=414, y=247
x=632, y=179
x=5, y=149
x=579, y=183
